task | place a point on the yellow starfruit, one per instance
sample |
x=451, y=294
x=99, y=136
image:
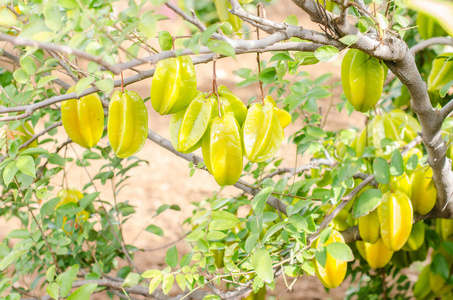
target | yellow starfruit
x=127, y=124
x=28, y=132
x=72, y=196
x=222, y=150
x=231, y=103
x=262, y=132
x=395, y=219
x=174, y=84
x=334, y=271
x=283, y=116
x=416, y=238
x=424, y=192
x=83, y=119
x=377, y=255
x=369, y=227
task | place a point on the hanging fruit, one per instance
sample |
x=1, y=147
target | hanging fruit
x=334, y=271
x=362, y=77
x=395, y=219
x=416, y=238
x=83, y=119
x=428, y=27
x=127, y=124
x=424, y=192
x=72, y=196
x=377, y=255
x=262, y=132
x=174, y=84
x=369, y=227
x=231, y=103
x=222, y=149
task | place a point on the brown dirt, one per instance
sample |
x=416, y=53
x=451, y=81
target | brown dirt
x=166, y=180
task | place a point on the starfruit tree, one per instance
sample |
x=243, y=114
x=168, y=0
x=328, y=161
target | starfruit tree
x=373, y=201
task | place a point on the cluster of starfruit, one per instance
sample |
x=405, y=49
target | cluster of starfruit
x=127, y=127
x=219, y=122
x=362, y=77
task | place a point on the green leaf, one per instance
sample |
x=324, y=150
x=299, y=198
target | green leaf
x=151, y=273
x=259, y=201
x=299, y=222
x=439, y=266
x=48, y=207
x=148, y=24
x=396, y=164
x=26, y=164
x=321, y=256
x=154, y=284
x=171, y=258
x=215, y=235
x=367, y=202
x=209, y=32
x=268, y=75
x=250, y=242
x=350, y=39
x=42, y=194
x=281, y=57
x=221, y=47
x=50, y=273
x=195, y=236
x=52, y=289
x=105, y=85
x=33, y=151
x=340, y=251
x=21, y=76
x=18, y=234
x=57, y=159
x=412, y=162
x=272, y=231
x=291, y=20
x=326, y=53
x=28, y=65
x=66, y=279
x=83, y=84
x=45, y=80
x=444, y=90
x=181, y=281
x=155, y=230
x=7, y=18
x=10, y=258
x=83, y=292
x=131, y=280
x=52, y=16
x=165, y=40
x=223, y=220
x=381, y=170
x=167, y=283
x=9, y=172
x=262, y=263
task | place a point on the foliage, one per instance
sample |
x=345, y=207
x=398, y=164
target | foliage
x=282, y=219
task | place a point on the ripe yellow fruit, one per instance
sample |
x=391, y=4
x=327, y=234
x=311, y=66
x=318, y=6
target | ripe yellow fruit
x=395, y=219
x=332, y=275
x=369, y=227
x=424, y=192
x=377, y=255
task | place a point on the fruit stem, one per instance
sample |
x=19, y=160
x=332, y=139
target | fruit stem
x=214, y=84
x=122, y=83
x=259, y=7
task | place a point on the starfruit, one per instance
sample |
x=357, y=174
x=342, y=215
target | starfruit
x=222, y=149
x=174, y=85
x=343, y=220
x=222, y=7
x=416, y=238
x=283, y=116
x=444, y=228
x=362, y=77
x=424, y=192
x=262, y=132
x=377, y=255
x=401, y=259
x=127, y=124
x=422, y=289
x=369, y=227
x=428, y=27
x=231, y=103
x=334, y=271
x=28, y=132
x=395, y=219
x=260, y=295
x=188, y=126
x=402, y=183
x=72, y=196
x=83, y=119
